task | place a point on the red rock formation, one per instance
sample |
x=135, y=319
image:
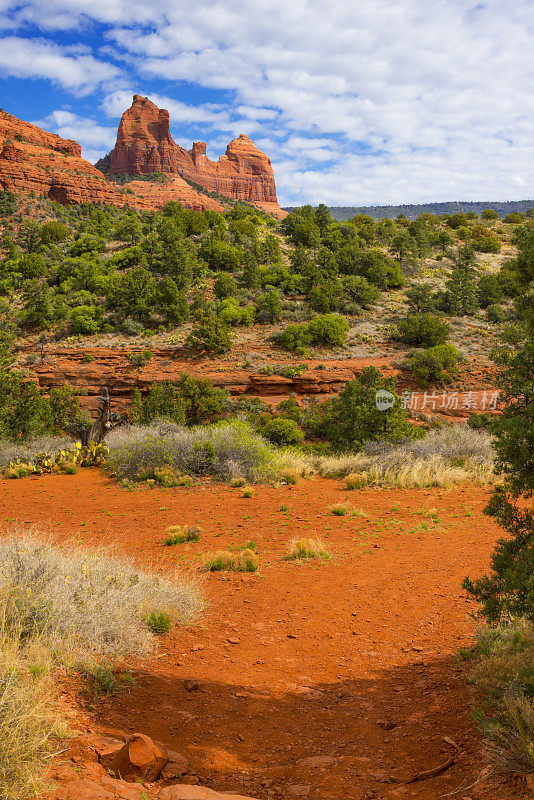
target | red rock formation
x=174, y=188
x=33, y=160
x=144, y=142
x=145, y=145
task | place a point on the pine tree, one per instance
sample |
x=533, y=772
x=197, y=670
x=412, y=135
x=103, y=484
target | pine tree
x=461, y=296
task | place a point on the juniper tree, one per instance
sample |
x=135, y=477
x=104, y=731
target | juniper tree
x=509, y=588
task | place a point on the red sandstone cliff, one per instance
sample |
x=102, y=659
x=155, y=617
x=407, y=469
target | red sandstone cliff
x=33, y=160
x=145, y=145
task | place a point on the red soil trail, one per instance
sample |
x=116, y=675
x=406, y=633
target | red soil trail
x=350, y=662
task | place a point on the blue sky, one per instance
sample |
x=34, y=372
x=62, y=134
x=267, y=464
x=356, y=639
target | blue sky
x=357, y=102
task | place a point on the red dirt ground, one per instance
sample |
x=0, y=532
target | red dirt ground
x=351, y=660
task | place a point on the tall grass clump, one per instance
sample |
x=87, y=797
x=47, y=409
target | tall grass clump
x=444, y=457
x=504, y=672
x=227, y=450
x=67, y=607
x=29, y=724
x=225, y=561
x=301, y=549
x=179, y=534
x=84, y=605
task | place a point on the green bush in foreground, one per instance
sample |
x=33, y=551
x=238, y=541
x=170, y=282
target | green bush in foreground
x=352, y=418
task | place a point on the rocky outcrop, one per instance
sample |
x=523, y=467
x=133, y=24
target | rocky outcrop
x=145, y=145
x=174, y=188
x=33, y=160
x=112, y=368
x=139, y=762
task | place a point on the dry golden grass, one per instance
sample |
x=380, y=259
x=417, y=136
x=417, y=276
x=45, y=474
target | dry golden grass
x=356, y=480
x=226, y=561
x=299, y=549
x=446, y=457
x=29, y=723
x=178, y=534
x=504, y=672
x=74, y=607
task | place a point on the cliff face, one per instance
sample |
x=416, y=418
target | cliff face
x=144, y=145
x=144, y=142
x=34, y=160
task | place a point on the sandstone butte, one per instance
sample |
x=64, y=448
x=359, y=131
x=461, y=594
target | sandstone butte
x=32, y=159
x=145, y=145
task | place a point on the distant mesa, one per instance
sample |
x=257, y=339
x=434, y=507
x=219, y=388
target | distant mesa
x=32, y=159
x=145, y=146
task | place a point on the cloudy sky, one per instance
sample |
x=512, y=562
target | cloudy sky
x=357, y=102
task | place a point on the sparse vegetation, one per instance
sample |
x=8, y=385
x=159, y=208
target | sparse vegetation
x=226, y=561
x=76, y=608
x=340, y=509
x=302, y=549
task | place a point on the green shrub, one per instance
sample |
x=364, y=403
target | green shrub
x=328, y=329
x=515, y=218
x=424, y=329
x=159, y=622
x=268, y=307
x=324, y=329
x=224, y=286
x=352, y=418
x=294, y=338
x=140, y=359
x=282, y=431
x=104, y=681
x=437, y=363
x=190, y=400
x=420, y=298
x=495, y=313
x=210, y=335
x=486, y=244
x=232, y=313
x=489, y=290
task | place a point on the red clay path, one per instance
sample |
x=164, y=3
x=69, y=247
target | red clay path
x=332, y=681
